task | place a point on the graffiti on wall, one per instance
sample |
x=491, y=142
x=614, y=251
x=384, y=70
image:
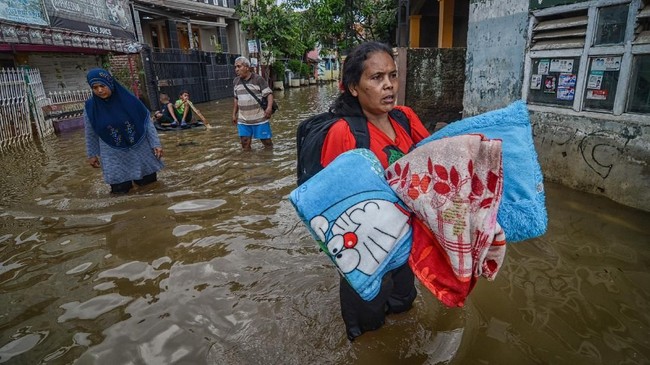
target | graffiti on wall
x=598, y=149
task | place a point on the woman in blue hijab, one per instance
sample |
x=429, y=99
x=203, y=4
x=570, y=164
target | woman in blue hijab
x=119, y=133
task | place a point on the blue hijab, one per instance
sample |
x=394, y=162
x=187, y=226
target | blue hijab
x=120, y=120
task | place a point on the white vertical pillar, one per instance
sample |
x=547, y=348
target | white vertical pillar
x=136, y=24
x=189, y=34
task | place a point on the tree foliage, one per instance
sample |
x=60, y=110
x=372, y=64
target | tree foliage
x=295, y=27
x=344, y=23
x=276, y=26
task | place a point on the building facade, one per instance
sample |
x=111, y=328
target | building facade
x=207, y=25
x=151, y=47
x=50, y=45
x=583, y=67
x=188, y=46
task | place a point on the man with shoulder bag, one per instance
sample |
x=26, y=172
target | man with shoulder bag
x=253, y=105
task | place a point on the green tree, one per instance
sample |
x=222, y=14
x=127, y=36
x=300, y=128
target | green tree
x=278, y=27
x=295, y=27
x=344, y=23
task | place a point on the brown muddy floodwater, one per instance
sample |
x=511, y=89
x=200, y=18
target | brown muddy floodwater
x=212, y=266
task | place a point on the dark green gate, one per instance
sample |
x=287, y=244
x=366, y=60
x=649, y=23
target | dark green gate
x=205, y=75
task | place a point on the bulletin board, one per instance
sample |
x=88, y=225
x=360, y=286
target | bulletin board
x=553, y=81
x=602, y=80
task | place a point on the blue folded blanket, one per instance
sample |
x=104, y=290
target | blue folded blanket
x=522, y=213
x=356, y=218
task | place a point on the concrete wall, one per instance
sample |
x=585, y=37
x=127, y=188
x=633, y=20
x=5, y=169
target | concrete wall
x=496, y=49
x=434, y=84
x=592, y=152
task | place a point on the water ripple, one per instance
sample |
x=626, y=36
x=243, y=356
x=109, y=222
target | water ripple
x=211, y=265
x=197, y=205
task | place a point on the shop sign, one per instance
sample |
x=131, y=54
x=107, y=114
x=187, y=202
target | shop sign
x=109, y=18
x=23, y=11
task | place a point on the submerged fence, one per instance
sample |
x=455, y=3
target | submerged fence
x=14, y=108
x=66, y=104
x=22, y=99
x=38, y=101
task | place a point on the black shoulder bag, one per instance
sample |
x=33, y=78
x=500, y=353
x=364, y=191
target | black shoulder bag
x=263, y=102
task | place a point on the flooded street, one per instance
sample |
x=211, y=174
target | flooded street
x=211, y=265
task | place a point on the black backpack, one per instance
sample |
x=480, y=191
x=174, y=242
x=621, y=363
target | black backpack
x=313, y=130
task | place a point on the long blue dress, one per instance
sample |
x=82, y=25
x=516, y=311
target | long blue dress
x=122, y=165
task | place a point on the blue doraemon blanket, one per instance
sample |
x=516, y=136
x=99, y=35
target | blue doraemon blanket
x=522, y=213
x=357, y=219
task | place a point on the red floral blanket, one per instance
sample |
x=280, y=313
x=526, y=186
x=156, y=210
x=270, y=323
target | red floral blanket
x=454, y=186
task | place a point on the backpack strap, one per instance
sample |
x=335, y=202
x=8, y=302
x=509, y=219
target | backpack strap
x=359, y=127
x=312, y=131
x=401, y=119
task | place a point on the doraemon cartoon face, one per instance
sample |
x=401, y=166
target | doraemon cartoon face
x=363, y=235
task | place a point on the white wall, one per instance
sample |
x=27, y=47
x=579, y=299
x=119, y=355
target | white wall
x=63, y=72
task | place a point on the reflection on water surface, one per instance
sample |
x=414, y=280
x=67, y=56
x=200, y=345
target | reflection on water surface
x=211, y=266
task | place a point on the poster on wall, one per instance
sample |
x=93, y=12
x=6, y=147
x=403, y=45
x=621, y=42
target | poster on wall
x=252, y=46
x=595, y=80
x=566, y=80
x=549, y=84
x=561, y=65
x=566, y=93
x=542, y=67
x=23, y=11
x=597, y=94
x=536, y=82
x=111, y=18
x=606, y=64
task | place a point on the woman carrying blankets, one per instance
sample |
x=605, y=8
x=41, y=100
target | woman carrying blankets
x=369, y=89
x=119, y=131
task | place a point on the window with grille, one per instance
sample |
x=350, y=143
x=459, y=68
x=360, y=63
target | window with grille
x=560, y=31
x=591, y=56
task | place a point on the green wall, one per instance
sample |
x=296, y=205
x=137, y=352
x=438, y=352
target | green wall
x=541, y=4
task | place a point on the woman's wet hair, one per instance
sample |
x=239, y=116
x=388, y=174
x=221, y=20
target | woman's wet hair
x=346, y=104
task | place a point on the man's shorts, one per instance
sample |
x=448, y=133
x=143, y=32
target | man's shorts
x=258, y=131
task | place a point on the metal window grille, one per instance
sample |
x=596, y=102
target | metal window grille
x=642, y=29
x=560, y=31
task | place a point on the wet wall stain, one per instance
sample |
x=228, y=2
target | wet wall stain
x=595, y=155
x=496, y=46
x=434, y=85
